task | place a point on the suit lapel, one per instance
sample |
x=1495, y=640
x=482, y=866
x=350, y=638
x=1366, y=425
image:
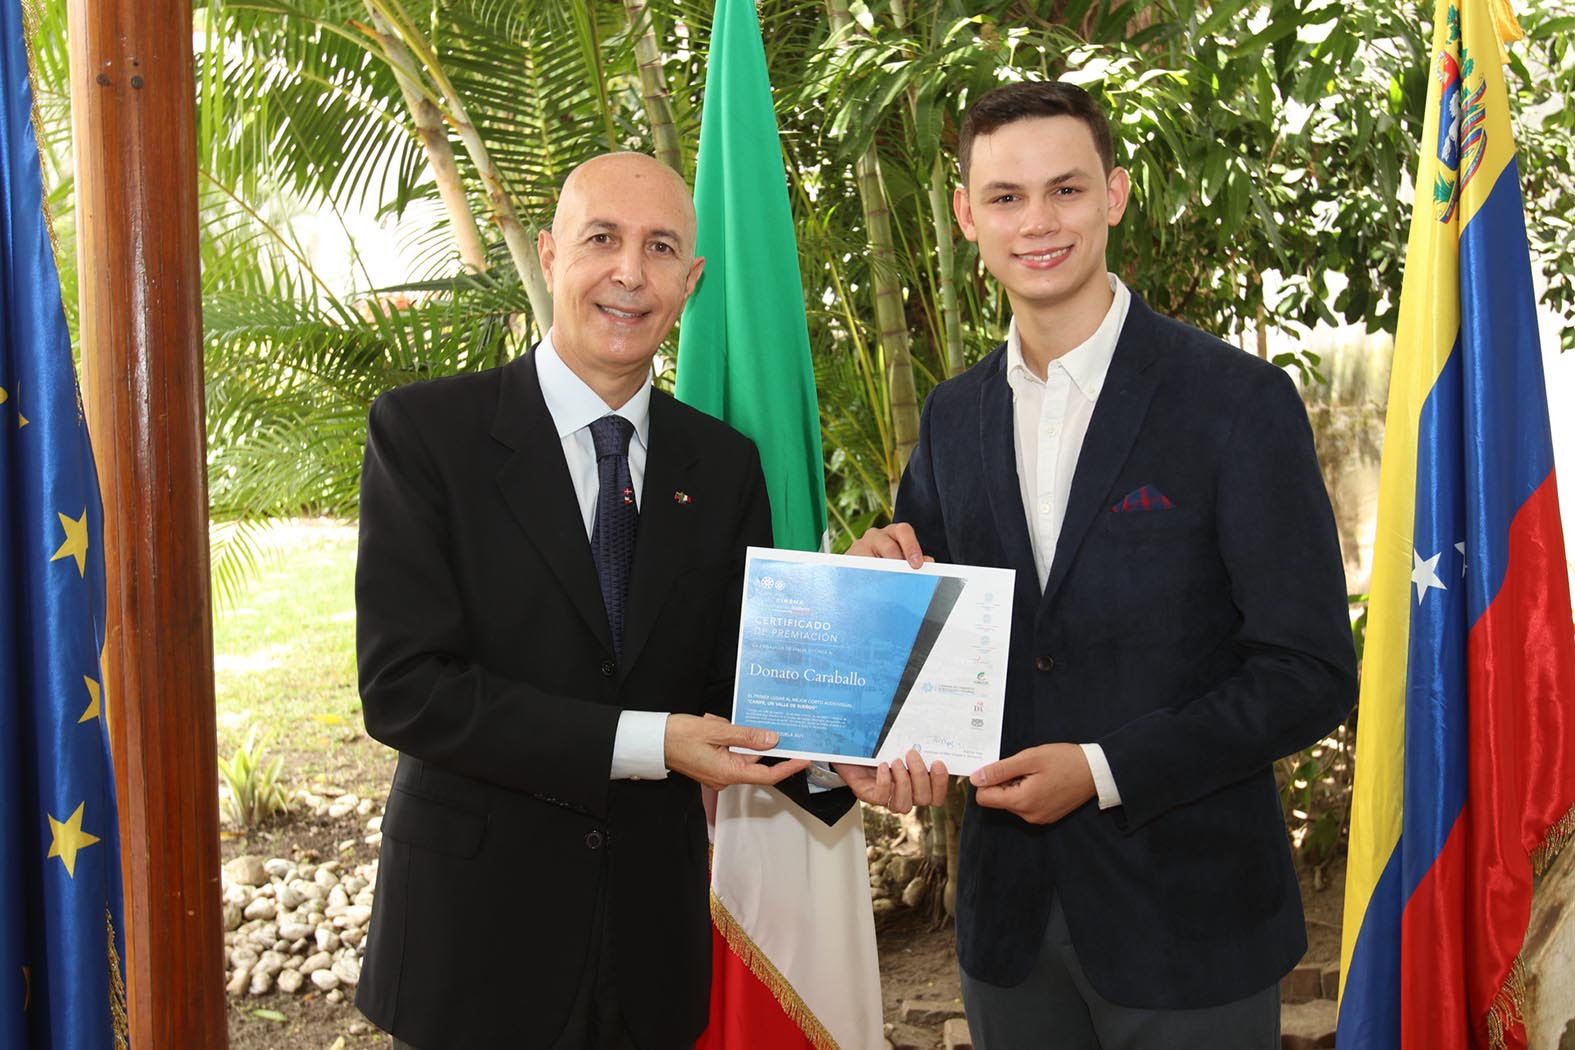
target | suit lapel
x=997, y=441
x=536, y=486
x=1118, y=416
x=664, y=523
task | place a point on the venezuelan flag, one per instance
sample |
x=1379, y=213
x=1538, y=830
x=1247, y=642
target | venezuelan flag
x=1465, y=757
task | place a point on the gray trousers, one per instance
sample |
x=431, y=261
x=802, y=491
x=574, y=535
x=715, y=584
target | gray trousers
x=1056, y=1008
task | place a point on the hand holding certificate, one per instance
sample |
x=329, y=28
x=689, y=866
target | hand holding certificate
x=860, y=660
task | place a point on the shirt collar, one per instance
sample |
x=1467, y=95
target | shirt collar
x=573, y=405
x=1087, y=363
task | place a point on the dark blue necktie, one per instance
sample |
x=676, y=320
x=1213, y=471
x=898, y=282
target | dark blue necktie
x=612, y=537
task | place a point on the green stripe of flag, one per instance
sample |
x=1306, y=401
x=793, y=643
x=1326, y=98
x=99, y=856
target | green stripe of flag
x=743, y=350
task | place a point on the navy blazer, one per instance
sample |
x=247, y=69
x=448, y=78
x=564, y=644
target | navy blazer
x=1195, y=644
x=486, y=660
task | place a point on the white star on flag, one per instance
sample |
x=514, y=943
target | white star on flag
x=1461, y=547
x=1425, y=574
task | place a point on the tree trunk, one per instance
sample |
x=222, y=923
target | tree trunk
x=946, y=262
x=941, y=217
x=430, y=129
x=956, y=804
x=653, y=86
x=891, y=323
x=520, y=239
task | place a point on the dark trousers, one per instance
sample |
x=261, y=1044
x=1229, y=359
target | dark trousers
x=596, y=1019
x=1056, y=1008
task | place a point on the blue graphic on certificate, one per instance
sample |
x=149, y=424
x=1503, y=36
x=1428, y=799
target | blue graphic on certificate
x=860, y=659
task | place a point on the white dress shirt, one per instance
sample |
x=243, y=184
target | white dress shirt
x=1051, y=417
x=639, y=743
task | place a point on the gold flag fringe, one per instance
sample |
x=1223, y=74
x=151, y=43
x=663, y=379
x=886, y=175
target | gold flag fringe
x=1508, y=1009
x=117, y=990
x=767, y=973
x=1553, y=843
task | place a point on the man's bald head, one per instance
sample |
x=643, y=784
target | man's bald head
x=620, y=263
x=603, y=179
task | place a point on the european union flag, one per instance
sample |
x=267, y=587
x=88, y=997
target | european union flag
x=61, y=937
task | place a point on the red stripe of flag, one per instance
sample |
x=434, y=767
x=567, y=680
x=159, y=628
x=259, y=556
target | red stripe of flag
x=744, y=1012
x=1521, y=663
x=1463, y=927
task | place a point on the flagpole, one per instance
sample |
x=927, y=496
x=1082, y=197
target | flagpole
x=132, y=100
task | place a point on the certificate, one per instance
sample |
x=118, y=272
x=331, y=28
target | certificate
x=859, y=659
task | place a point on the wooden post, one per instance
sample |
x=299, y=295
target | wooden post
x=132, y=100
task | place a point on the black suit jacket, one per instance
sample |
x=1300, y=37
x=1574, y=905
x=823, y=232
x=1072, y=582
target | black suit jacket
x=1195, y=645
x=485, y=659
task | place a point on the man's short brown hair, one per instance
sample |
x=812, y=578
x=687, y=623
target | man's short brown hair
x=1025, y=101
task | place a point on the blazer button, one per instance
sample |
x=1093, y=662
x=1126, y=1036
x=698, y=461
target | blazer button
x=1043, y=663
x=593, y=841
x=609, y=668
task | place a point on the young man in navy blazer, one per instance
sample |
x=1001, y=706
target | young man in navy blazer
x=1179, y=622
x=542, y=881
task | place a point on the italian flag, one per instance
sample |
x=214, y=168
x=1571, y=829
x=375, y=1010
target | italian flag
x=795, y=962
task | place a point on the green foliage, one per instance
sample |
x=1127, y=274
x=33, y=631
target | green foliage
x=255, y=793
x=1545, y=140
x=1271, y=143
x=1315, y=793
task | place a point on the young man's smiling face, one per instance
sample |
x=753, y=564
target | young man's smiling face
x=1040, y=205
x=619, y=261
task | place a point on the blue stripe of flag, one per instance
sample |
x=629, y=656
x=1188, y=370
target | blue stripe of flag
x=1511, y=452
x=1370, y=1005
x=1435, y=706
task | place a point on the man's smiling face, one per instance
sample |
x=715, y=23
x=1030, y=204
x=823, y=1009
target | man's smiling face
x=1040, y=205
x=619, y=261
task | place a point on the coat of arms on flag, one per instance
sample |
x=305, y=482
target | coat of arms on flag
x=1460, y=130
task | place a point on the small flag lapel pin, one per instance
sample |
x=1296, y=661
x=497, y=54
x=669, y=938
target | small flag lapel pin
x=680, y=497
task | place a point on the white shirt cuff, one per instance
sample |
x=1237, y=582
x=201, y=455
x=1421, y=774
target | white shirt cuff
x=1104, y=780
x=639, y=746
x=823, y=778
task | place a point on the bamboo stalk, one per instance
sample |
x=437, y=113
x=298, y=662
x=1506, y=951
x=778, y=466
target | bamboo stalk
x=517, y=236
x=891, y=323
x=941, y=218
x=433, y=133
x=653, y=85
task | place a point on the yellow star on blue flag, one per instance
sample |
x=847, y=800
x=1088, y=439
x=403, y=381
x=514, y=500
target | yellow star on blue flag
x=95, y=695
x=76, y=544
x=66, y=837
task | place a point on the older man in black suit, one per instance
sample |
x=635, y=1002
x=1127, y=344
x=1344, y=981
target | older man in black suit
x=1179, y=622
x=547, y=603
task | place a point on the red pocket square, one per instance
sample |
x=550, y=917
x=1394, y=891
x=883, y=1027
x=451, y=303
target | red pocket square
x=1141, y=499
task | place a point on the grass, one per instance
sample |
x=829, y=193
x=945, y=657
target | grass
x=284, y=660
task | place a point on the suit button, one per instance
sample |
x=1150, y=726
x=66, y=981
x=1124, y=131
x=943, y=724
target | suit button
x=1043, y=663
x=609, y=668
x=593, y=840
